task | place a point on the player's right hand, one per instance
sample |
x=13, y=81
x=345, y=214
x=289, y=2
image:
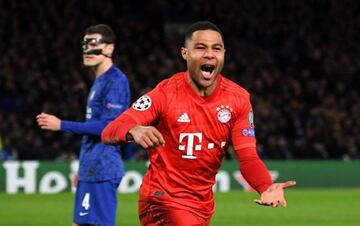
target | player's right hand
x=147, y=136
x=48, y=122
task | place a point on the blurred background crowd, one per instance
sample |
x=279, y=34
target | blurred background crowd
x=299, y=60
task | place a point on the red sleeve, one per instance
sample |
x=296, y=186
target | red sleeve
x=142, y=112
x=115, y=132
x=253, y=169
x=243, y=131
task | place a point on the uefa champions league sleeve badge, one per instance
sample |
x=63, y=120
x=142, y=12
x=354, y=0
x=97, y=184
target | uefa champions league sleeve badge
x=142, y=104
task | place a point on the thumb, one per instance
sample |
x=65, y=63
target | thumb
x=258, y=201
x=289, y=184
x=261, y=203
x=283, y=203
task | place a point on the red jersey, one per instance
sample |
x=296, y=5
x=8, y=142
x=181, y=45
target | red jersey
x=197, y=131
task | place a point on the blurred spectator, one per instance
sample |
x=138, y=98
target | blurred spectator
x=299, y=61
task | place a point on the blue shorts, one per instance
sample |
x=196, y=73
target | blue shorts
x=96, y=202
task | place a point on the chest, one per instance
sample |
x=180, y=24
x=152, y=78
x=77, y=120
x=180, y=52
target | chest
x=95, y=102
x=195, y=126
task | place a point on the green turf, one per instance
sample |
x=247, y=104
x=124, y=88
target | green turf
x=305, y=207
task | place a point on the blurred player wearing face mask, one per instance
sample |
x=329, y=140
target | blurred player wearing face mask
x=100, y=165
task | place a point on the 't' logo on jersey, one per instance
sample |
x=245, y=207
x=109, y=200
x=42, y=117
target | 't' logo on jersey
x=194, y=143
x=190, y=144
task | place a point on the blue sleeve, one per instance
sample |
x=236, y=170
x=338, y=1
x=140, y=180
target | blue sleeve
x=116, y=100
x=85, y=128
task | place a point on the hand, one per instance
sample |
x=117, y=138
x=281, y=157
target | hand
x=48, y=122
x=146, y=136
x=74, y=180
x=275, y=195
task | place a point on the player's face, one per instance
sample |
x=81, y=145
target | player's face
x=92, y=59
x=204, y=54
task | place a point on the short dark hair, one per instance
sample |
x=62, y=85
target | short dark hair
x=200, y=26
x=108, y=35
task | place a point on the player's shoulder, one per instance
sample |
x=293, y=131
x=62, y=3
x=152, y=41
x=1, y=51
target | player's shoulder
x=172, y=83
x=232, y=88
x=115, y=75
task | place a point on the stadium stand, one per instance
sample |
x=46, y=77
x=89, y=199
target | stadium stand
x=299, y=60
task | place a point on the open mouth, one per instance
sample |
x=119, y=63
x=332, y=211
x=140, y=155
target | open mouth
x=207, y=70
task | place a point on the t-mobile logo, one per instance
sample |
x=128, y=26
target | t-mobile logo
x=190, y=144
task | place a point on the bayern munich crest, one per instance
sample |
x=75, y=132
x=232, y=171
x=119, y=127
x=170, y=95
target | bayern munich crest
x=142, y=104
x=224, y=113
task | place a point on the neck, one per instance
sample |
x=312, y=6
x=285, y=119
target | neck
x=103, y=67
x=200, y=90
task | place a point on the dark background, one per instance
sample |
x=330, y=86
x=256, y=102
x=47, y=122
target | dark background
x=299, y=60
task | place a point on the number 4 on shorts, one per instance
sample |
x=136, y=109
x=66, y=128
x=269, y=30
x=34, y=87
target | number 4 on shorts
x=86, y=201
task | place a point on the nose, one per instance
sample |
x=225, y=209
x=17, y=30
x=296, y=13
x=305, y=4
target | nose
x=208, y=54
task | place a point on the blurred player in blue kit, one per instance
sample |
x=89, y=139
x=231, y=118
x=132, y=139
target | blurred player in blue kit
x=100, y=165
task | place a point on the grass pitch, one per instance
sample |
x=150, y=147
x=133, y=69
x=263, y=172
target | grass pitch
x=306, y=207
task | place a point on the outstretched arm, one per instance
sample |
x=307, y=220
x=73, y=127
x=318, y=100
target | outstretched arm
x=53, y=123
x=256, y=174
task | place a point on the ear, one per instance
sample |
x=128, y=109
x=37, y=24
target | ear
x=184, y=53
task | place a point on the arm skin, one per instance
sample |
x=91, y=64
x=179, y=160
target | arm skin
x=256, y=174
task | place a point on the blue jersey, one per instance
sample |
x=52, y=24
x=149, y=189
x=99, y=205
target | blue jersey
x=108, y=98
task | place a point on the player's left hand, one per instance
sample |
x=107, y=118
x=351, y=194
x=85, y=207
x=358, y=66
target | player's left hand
x=274, y=195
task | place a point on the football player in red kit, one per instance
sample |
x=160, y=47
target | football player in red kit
x=186, y=123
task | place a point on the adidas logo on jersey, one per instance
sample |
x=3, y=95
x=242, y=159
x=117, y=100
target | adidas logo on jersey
x=184, y=118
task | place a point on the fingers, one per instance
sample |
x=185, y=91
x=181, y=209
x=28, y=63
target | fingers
x=159, y=137
x=75, y=180
x=259, y=202
x=283, y=203
x=45, y=126
x=275, y=204
x=146, y=142
x=148, y=137
x=42, y=119
x=288, y=184
x=272, y=204
x=42, y=115
x=274, y=195
x=48, y=122
x=154, y=140
x=42, y=122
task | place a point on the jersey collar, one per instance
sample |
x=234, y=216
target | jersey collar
x=196, y=96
